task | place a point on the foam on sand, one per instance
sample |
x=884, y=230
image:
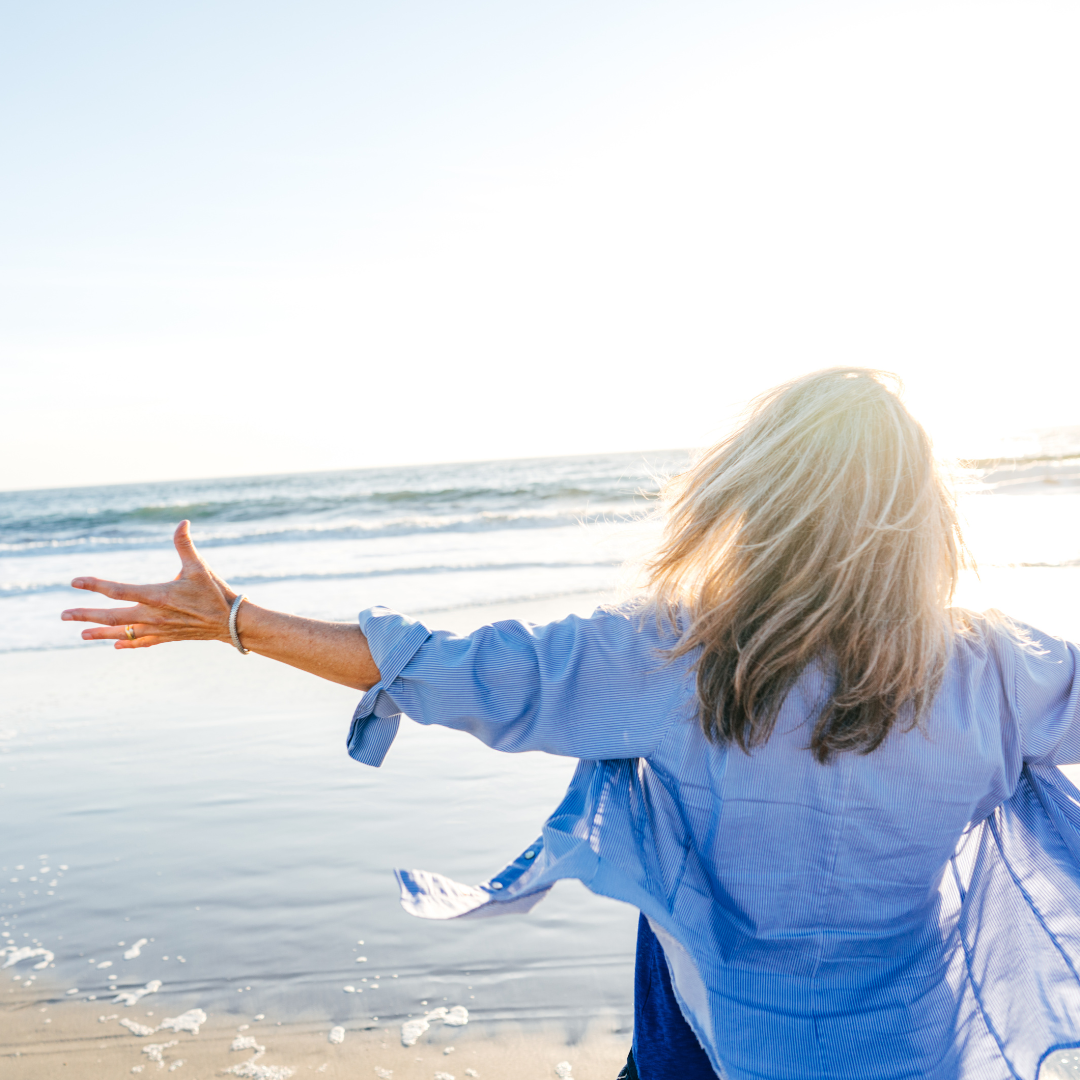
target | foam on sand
x=129, y=997
x=458, y=1016
x=252, y=1071
x=155, y=1051
x=188, y=1021
x=136, y=1028
x=563, y=1070
x=412, y=1029
x=337, y=1035
x=297, y=1048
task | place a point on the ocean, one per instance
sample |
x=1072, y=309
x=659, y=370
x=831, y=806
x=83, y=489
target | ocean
x=189, y=816
x=423, y=538
x=426, y=538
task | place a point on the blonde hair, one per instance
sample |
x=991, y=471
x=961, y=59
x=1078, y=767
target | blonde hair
x=820, y=530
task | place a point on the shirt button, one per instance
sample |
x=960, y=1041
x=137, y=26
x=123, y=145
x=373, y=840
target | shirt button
x=496, y=884
x=530, y=853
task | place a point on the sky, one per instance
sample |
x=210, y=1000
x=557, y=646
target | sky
x=241, y=237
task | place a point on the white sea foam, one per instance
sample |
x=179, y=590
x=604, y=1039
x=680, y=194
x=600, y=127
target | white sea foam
x=471, y=1072
x=73, y=990
x=252, y=1070
x=136, y=1028
x=155, y=1051
x=176, y=1065
x=443, y=1076
x=384, y=1074
x=458, y=1016
x=129, y=997
x=135, y=949
x=16, y=954
x=412, y=1029
x=187, y=1021
x=563, y=1070
x=104, y=964
x=337, y=1035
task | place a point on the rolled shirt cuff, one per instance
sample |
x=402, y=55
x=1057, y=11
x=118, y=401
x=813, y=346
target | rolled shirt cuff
x=394, y=640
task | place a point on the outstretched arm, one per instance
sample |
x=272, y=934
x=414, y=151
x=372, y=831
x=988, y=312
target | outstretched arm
x=195, y=605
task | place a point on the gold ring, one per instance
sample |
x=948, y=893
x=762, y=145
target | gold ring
x=130, y=631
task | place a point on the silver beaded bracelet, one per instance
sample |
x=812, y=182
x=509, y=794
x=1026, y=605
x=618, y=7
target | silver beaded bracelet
x=232, y=623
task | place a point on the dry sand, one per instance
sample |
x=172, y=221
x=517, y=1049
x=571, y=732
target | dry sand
x=45, y=1039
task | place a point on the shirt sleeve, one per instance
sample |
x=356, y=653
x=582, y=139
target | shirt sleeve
x=1046, y=684
x=596, y=688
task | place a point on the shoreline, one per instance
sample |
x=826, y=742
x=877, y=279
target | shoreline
x=43, y=1039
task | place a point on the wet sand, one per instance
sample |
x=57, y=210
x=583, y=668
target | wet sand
x=204, y=802
x=42, y=1038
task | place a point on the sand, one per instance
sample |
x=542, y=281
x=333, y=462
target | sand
x=42, y=1038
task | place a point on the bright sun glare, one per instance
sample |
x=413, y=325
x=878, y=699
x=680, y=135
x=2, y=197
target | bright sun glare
x=881, y=184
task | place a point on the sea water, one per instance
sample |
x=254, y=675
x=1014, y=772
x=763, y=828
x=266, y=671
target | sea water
x=183, y=825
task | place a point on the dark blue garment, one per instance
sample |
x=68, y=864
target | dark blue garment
x=665, y=1046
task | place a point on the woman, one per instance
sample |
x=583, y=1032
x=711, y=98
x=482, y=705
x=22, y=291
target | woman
x=831, y=795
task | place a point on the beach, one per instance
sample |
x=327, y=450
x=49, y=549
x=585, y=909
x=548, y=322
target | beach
x=80, y=1040
x=253, y=873
x=188, y=817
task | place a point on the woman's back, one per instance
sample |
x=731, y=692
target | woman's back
x=820, y=884
x=852, y=850
x=808, y=910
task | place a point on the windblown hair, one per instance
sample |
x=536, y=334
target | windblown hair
x=821, y=530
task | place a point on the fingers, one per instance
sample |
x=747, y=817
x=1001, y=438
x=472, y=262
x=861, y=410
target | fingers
x=192, y=607
x=185, y=547
x=140, y=643
x=117, y=616
x=110, y=633
x=144, y=635
x=115, y=590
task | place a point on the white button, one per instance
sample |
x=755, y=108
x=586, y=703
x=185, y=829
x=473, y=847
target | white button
x=496, y=884
x=530, y=853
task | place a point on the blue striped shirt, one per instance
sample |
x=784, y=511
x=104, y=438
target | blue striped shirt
x=907, y=913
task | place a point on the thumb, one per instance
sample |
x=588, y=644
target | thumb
x=185, y=548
